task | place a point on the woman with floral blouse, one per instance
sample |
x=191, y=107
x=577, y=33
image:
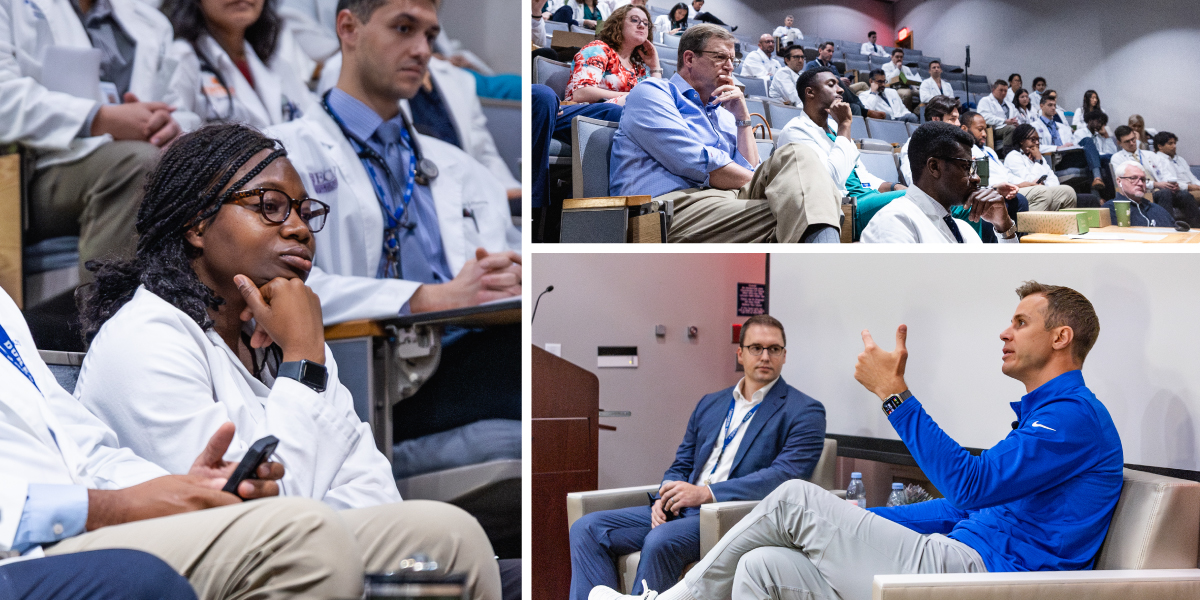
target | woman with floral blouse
x=622, y=55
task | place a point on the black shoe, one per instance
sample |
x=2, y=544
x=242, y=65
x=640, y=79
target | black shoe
x=733, y=29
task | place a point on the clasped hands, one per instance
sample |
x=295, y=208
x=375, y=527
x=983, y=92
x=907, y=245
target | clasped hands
x=674, y=496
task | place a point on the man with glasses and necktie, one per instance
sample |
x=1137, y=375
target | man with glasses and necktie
x=740, y=443
x=999, y=113
x=1131, y=187
x=689, y=141
x=946, y=176
x=1166, y=193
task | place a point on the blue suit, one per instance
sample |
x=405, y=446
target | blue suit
x=783, y=441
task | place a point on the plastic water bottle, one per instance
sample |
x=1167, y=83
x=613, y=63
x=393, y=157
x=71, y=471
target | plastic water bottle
x=856, y=493
x=896, y=498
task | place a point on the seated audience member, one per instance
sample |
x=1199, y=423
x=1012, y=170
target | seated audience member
x=700, y=15
x=825, y=128
x=824, y=59
x=1095, y=127
x=1039, y=197
x=999, y=113
x=1026, y=163
x=1166, y=143
x=583, y=13
x=896, y=68
x=551, y=121
x=1014, y=83
x=621, y=57
x=229, y=69
x=1145, y=136
x=173, y=357
x=783, y=433
x=870, y=48
x=538, y=29
x=934, y=86
x=115, y=574
x=783, y=83
x=1166, y=193
x=786, y=34
x=1059, y=115
x=882, y=98
x=402, y=238
x=1063, y=452
x=1056, y=136
x=1039, y=87
x=946, y=178
x=1026, y=112
x=1131, y=186
x=673, y=23
x=937, y=108
x=1091, y=101
x=760, y=63
x=689, y=140
x=84, y=182
x=69, y=491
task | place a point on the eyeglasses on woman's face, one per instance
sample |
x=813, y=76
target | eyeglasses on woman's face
x=276, y=206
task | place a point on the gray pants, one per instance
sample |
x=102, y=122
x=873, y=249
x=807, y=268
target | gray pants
x=95, y=198
x=1050, y=197
x=803, y=542
x=789, y=192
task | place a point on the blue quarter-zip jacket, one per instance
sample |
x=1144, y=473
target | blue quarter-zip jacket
x=1040, y=500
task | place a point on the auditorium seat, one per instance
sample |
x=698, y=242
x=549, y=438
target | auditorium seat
x=765, y=148
x=552, y=74
x=671, y=41
x=881, y=164
x=858, y=128
x=552, y=26
x=977, y=78
x=715, y=518
x=782, y=114
x=889, y=131
x=758, y=106
x=592, y=142
x=978, y=87
x=668, y=67
x=754, y=86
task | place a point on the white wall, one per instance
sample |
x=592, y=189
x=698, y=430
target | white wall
x=849, y=20
x=1143, y=366
x=746, y=15
x=616, y=300
x=492, y=29
x=1142, y=57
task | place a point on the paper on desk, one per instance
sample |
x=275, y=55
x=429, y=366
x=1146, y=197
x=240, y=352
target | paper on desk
x=1122, y=236
x=514, y=300
x=74, y=71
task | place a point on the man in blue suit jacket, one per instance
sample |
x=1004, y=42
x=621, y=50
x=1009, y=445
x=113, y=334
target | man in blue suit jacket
x=741, y=443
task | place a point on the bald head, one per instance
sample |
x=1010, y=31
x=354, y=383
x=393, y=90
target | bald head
x=766, y=43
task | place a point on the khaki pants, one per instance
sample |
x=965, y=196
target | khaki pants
x=95, y=198
x=299, y=548
x=1049, y=197
x=798, y=192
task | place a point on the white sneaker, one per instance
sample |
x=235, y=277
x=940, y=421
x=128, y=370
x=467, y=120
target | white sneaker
x=603, y=592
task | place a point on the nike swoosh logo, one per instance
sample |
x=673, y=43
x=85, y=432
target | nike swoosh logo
x=1036, y=424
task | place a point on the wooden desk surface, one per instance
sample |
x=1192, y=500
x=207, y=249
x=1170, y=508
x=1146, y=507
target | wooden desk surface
x=475, y=316
x=1173, y=237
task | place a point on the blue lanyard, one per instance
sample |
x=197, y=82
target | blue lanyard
x=9, y=349
x=732, y=434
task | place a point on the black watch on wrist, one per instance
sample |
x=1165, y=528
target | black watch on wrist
x=894, y=401
x=312, y=374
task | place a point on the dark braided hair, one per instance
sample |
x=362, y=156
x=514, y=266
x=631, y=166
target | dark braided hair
x=183, y=190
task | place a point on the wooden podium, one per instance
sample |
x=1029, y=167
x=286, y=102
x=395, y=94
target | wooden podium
x=566, y=414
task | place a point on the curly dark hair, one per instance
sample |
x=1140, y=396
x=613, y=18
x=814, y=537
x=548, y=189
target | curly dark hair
x=612, y=31
x=183, y=190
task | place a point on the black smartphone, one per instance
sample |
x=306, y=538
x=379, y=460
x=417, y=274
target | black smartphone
x=1042, y=179
x=670, y=515
x=258, y=453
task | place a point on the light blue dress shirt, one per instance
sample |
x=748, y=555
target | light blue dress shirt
x=52, y=513
x=670, y=140
x=422, y=258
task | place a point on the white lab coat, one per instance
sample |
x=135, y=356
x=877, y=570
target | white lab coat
x=1179, y=169
x=1104, y=145
x=840, y=155
x=997, y=172
x=662, y=28
x=788, y=35
x=916, y=218
x=49, y=437
x=889, y=103
x=783, y=86
x=758, y=64
x=1156, y=169
x=890, y=70
x=277, y=95
x=48, y=121
x=165, y=385
x=1024, y=169
x=992, y=112
x=349, y=247
x=873, y=49
x=930, y=88
x=1064, y=133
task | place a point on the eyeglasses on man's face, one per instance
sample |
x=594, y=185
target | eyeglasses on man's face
x=971, y=167
x=721, y=58
x=757, y=350
x=1131, y=179
x=276, y=206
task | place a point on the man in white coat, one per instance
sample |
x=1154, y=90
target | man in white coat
x=786, y=34
x=93, y=149
x=66, y=487
x=783, y=83
x=945, y=175
x=882, y=98
x=760, y=63
x=1166, y=143
x=934, y=86
x=999, y=113
x=870, y=48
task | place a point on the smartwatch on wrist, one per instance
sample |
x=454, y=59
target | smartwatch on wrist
x=745, y=123
x=312, y=374
x=894, y=401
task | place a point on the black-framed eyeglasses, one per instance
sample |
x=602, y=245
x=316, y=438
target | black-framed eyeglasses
x=276, y=206
x=638, y=21
x=1131, y=178
x=722, y=57
x=757, y=350
x=972, y=168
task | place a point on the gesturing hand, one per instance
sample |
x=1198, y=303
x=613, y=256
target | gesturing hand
x=214, y=470
x=882, y=373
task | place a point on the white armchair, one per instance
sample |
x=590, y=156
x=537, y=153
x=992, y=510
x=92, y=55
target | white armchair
x=715, y=519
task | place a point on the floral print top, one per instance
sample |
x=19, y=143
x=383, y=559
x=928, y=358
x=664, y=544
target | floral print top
x=598, y=65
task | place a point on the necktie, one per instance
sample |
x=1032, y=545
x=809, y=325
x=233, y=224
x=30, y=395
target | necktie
x=953, y=228
x=1004, y=105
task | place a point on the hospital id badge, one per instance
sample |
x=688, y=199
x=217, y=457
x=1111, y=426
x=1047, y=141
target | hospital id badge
x=109, y=93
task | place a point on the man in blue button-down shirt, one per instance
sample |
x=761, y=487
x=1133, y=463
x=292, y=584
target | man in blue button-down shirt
x=689, y=141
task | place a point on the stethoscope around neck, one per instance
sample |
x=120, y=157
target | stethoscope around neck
x=426, y=171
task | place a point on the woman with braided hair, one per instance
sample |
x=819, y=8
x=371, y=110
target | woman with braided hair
x=211, y=322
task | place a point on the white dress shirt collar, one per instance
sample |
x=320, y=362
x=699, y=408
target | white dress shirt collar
x=757, y=396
